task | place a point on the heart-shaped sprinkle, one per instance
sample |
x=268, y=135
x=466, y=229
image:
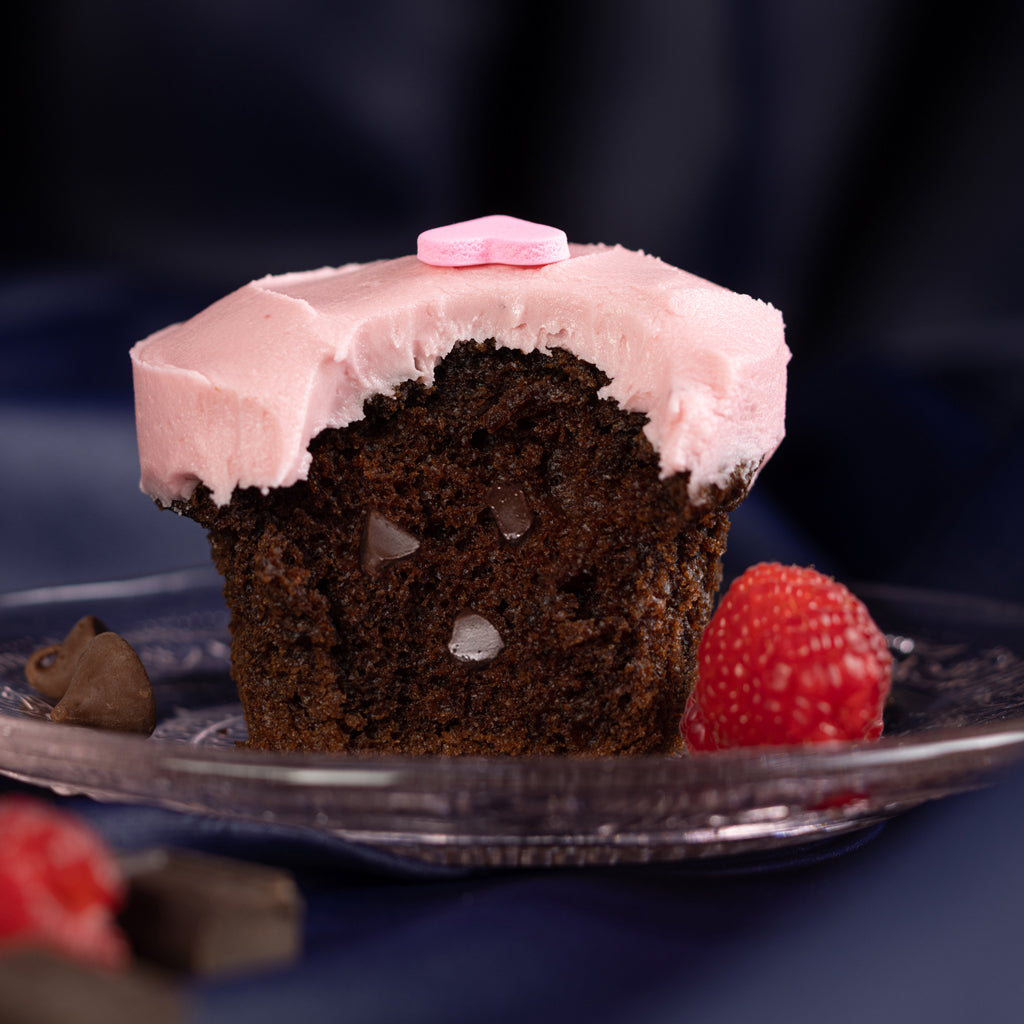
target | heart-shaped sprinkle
x=110, y=689
x=494, y=239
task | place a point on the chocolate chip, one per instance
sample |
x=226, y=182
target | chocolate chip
x=384, y=542
x=474, y=640
x=210, y=915
x=40, y=987
x=511, y=511
x=49, y=670
x=109, y=689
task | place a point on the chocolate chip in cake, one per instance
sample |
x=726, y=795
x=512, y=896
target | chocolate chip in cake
x=511, y=511
x=109, y=689
x=49, y=670
x=211, y=915
x=474, y=640
x=384, y=542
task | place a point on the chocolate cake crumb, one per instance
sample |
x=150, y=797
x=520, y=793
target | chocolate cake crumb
x=598, y=579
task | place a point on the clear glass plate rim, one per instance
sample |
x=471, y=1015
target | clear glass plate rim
x=1001, y=738
x=512, y=811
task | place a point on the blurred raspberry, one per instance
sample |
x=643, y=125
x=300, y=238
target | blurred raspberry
x=60, y=887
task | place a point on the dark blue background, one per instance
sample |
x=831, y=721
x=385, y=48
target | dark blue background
x=856, y=163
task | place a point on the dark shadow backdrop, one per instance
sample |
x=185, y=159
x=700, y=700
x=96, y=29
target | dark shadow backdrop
x=856, y=163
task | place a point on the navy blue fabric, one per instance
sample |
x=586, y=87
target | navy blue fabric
x=917, y=921
x=857, y=164
x=393, y=939
x=921, y=924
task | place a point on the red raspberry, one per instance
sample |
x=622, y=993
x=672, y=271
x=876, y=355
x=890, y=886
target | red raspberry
x=59, y=885
x=790, y=656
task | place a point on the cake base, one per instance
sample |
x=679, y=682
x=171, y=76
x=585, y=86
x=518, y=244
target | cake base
x=489, y=565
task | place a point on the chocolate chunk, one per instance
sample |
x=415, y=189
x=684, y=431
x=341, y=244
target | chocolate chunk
x=49, y=670
x=384, y=542
x=40, y=987
x=511, y=511
x=109, y=689
x=210, y=915
x=474, y=640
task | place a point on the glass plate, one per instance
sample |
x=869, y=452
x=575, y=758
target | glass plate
x=954, y=718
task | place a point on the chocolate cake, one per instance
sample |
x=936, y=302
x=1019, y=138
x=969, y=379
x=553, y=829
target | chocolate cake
x=482, y=510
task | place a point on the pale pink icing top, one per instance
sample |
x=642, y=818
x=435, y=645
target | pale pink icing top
x=233, y=396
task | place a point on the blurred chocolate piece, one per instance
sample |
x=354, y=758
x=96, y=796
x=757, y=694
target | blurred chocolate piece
x=39, y=987
x=49, y=670
x=210, y=915
x=109, y=689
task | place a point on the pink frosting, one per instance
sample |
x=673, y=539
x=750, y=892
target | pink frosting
x=233, y=396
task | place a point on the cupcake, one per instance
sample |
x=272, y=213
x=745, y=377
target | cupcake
x=469, y=501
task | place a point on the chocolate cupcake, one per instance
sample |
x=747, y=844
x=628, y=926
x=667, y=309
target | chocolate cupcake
x=466, y=509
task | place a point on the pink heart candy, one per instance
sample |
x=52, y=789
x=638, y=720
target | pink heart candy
x=495, y=239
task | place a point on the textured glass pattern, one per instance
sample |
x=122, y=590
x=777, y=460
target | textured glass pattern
x=957, y=714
